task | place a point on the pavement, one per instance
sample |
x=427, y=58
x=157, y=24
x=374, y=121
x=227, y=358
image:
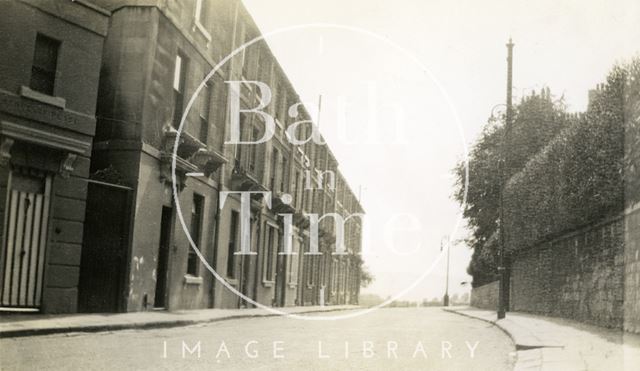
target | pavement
x=18, y=325
x=544, y=343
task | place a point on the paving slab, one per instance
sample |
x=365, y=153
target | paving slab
x=528, y=360
x=545, y=343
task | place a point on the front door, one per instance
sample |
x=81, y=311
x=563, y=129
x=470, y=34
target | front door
x=166, y=226
x=281, y=279
x=25, y=231
x=104, y=249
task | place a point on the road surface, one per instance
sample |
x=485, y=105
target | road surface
x=386, y=339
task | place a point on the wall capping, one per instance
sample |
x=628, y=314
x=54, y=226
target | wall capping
x=570, y=233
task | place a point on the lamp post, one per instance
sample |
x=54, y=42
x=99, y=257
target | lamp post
x=503, y=288
x=493, y=118
x=445, y=240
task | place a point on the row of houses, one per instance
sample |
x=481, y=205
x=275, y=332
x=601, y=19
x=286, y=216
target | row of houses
x=92, y=94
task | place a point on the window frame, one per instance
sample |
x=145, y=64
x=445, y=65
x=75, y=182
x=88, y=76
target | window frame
x=283, y=175
x=270, y=250
x=245, y=55
x=202, y=17
x=334, y=276
x=231, y=245
x=253, y=152
x=296, y=189
x=205, y=112
x=273, y=181
x=50, y=72
x=181, y=64
x=293, y=265
x=308, y=267
x=197, y=220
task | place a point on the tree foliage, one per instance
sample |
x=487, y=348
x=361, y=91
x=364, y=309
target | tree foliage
x=579, y=178
x=537, y=119
x=631, y=112
x=564, y=171
x=365, y=276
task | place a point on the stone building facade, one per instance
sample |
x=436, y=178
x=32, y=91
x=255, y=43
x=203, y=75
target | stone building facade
x=49, y=71
x=138, y=256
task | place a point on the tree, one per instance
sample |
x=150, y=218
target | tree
x=579, y=178
x=537, y=119
x=631, y=112
x=455, y=299
x=464, y=299
x=365, y=276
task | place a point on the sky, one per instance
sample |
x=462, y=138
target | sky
x=407, y=86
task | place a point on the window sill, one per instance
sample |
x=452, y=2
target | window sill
x=198, y=26
x=292, y=285
x=279, y=123
x=192, y=280
x=232, y=281
x=266, y=283
x=27, y=92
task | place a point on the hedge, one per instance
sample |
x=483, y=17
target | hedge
x=579, y=177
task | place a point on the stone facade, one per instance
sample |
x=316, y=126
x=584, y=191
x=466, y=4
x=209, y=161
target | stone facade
x=87, y=150
x=50, y=65
x=156, y=54
x=134, y=140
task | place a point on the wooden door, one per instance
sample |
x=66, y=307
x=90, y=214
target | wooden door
x=25, y=231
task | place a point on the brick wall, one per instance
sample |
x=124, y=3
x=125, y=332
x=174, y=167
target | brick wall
x=578, y=276
x=486, y=296
x=632, y=270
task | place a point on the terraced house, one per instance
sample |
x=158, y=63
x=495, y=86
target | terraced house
x=49, y=70
x=136, y=255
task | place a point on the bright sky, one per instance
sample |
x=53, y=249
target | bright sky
x=405, y=172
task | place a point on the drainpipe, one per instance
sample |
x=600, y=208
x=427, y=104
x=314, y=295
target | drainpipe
x=256, y=279
x=220, y=183
x=215, y=246
x=231, y=65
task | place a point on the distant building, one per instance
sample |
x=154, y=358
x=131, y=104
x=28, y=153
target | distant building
x=49, y=70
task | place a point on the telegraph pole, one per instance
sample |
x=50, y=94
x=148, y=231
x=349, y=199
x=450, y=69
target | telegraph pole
x=504, y=284
x=446, y=289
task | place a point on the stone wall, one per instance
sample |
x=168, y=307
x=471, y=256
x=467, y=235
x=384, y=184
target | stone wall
x=632, y=270
x=579, y=276
x=486, y=296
